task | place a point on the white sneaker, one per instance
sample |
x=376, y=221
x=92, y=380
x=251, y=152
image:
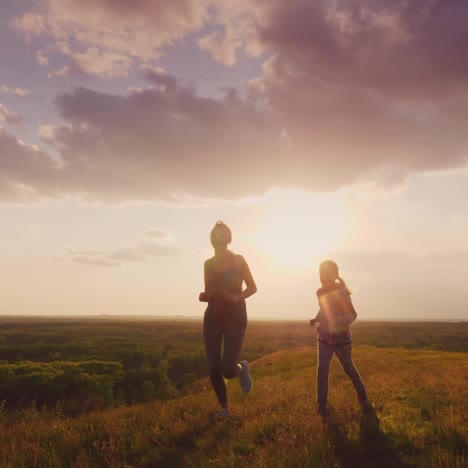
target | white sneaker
x=244, y=377
x=223, y=413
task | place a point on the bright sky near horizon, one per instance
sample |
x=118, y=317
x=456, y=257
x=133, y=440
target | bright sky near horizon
x=314, y=129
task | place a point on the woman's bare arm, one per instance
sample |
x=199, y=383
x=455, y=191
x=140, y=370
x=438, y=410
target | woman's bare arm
x=251, y=287
x=205, y=295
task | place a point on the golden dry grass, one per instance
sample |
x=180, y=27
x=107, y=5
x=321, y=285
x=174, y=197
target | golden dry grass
x=419, y=397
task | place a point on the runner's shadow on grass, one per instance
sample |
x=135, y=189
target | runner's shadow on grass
x=373, y=448
x=176, y=453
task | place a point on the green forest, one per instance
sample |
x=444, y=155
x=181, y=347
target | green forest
x=77, y=365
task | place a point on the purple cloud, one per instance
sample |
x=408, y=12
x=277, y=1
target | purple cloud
x=14, y=91
x=7, y=116
x=353, y=91
x=104, y=37
x=160, y=142
x=26, y=171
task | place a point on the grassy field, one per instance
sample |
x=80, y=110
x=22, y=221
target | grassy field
x=419, y=419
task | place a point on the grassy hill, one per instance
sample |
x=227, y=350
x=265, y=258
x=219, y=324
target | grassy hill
x=420, y=400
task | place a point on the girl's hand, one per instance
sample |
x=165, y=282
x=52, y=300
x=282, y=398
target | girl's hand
x=203, y=297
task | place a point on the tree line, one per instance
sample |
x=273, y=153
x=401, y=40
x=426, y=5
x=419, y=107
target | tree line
x=84, y=365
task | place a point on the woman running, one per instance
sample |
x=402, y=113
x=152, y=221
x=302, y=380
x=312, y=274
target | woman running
x=226, y=315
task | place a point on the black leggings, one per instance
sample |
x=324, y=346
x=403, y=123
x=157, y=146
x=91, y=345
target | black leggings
x=227, y=321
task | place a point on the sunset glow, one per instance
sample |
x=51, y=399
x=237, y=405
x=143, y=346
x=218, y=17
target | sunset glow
x=298, y=228
x=314, y=129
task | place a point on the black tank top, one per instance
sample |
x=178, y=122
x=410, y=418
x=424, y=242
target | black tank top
x=228, y=280
x=225, y=313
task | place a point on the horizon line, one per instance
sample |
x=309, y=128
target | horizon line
x=200, y=317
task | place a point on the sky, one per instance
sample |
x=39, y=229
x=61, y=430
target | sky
x=315, y=129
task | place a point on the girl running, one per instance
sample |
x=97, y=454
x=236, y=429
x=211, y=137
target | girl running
x=334, y=337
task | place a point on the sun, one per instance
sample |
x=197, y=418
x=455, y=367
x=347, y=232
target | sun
x=299, y=227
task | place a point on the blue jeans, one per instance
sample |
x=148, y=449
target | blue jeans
x=343, y=353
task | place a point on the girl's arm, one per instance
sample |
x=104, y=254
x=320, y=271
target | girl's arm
x=316, y=319
x=349, y=313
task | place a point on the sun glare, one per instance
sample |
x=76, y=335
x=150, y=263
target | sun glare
x=299, y=227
